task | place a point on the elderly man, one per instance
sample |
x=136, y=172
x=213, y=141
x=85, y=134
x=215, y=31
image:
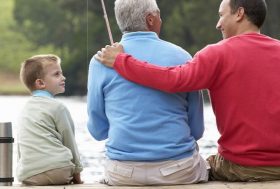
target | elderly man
x=151, y=134
x=242, y=75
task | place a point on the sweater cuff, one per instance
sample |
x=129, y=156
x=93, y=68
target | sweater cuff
x=78, y=169
x=120, y=59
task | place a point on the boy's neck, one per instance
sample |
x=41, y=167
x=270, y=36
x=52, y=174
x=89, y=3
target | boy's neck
x=43, y=93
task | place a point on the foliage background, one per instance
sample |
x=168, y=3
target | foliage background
x=75, y=30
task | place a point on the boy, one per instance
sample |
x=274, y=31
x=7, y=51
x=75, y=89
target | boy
x=47, y=151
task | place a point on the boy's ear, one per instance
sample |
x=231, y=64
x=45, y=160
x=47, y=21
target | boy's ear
x=39, y=84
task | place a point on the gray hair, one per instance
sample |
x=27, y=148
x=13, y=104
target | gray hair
x=131, y=14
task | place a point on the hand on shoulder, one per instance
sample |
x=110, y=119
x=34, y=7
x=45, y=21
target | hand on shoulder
x=108, y=55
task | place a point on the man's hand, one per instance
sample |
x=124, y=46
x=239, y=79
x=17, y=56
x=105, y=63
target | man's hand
x=107, y=55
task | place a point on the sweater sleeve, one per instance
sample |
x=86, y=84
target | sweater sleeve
x=199, y=73
x=65, y=127
x=98, y=124
x=195, y=114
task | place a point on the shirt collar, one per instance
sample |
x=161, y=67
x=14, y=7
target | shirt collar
x=139, y=34
x=42, y=93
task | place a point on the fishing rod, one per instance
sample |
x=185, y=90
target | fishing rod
x=107, y=23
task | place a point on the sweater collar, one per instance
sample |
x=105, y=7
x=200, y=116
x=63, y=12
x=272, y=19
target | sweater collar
x=42, y=93
x=140, y=34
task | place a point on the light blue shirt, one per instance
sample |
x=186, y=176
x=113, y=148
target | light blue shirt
x=140, y=123
x=42, y=93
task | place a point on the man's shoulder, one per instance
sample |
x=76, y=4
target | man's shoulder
x=173, y=46
x=175, y=49
x=98, y=67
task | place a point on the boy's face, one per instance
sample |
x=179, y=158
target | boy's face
x=54, y=80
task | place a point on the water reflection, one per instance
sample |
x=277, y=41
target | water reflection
x=92, y=151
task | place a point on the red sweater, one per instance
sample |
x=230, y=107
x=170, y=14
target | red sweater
x=242, y=74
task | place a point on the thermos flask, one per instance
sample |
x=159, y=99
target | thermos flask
x=6, y=154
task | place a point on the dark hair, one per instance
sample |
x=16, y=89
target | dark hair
x=254, y=9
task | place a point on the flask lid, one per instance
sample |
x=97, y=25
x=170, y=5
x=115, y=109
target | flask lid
x=6, y=130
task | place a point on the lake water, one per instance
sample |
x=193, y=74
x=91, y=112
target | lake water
x=92, y=151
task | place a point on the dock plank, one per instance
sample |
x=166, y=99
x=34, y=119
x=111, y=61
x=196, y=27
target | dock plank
x=209, y=185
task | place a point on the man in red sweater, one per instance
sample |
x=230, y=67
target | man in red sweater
x=242, y=75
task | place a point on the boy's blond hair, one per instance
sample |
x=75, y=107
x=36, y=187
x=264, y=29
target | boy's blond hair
x=33, y=68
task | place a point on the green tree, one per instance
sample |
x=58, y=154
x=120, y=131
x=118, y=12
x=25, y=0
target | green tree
x=271, y=25
x=14, y=46
x=77, y=28
x=191, y=24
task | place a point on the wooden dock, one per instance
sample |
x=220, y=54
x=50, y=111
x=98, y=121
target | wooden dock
x=209, y=185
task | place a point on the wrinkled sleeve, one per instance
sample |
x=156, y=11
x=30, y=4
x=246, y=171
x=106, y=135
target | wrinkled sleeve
x=198, y=73
x=98, y=124
x=195, y=114
x=66, y=128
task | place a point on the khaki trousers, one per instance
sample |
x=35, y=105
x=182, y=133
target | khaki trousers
x=184, y=171
x=224, y=170
x=58, y=176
